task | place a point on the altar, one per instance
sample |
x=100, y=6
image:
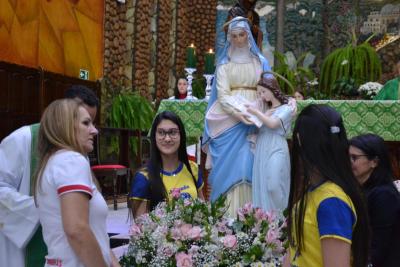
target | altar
x=359, y=116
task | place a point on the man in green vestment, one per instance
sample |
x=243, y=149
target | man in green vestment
x=391, y=89
x=21, y=241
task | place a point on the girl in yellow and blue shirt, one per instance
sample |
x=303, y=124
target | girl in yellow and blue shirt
x=327, y=222
x=167, y=169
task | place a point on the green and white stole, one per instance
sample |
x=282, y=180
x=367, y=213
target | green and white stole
x=36, y=249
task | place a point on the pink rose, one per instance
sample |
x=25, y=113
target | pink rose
x=260, y=214
x=135, y=230
x=230, y=241
x=183, y=260
x=271, y=216
x=271, y=236
x=241, y=216
x=176, y=193
x=167, y=251
x=195, y=233
x=256, y=228
x=185, y=229
x=247, y=208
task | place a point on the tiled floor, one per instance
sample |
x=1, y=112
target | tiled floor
x=118, y=223
x=118, y=220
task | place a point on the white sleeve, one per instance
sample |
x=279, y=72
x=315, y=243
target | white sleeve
x=224, y=90
x=18, y=215
x=72, y=174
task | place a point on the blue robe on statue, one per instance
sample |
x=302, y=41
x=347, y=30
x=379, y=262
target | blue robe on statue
x=225, y=138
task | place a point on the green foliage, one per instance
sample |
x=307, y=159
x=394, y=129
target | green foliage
x=361, y=63
x=345, y=87
x=254, y=253
x=198, y=87
x=297, y=72
x=316, y=94
x=132, y=111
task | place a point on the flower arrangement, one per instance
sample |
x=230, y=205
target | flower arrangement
x=187, y=233
x=370, y=89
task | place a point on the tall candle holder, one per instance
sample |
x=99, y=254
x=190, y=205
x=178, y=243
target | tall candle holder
x=209, y=78
x=189, y=74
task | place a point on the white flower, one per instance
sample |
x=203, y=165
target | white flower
x=313, y=82
x=370, y=89
x=257, y=264
x=344, y=62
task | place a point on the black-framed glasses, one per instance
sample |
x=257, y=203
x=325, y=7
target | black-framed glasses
x=172, y=133
x=355, y=157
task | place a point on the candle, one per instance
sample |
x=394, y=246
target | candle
x=209, y=62
x=191, y=56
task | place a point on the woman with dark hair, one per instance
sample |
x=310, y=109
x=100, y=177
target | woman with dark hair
x=271, y=169
x=327, y=217
x=298, y=95
x=180, y=91
x=372, y=168
x=168, y=168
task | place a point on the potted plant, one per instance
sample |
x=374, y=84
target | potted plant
x=132, y=111
x=358, y=62
x=296, y=71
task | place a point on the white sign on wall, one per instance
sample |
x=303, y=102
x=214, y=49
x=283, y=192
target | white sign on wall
x=84, y=74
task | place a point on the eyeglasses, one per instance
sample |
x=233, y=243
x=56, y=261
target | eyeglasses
x=172, y=133
x=354, y=157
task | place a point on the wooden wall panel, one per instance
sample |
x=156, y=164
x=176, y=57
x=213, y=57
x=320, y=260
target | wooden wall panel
x=26, y=92
x=19, y=95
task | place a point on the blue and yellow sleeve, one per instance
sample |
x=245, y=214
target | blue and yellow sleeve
x=335, y=219
x=140, y=187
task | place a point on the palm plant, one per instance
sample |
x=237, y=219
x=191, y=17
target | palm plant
x=358, y=62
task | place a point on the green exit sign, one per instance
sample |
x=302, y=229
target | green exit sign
x=84, y=74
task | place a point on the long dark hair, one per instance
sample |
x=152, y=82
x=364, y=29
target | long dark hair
x=272, y=84
x=374, y=147
x=176, y=91
x=157, y=189
x=320, y=146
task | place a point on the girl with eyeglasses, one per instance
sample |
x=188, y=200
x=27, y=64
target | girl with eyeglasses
x=168, y=168
x=327, y=222
x=372, y=168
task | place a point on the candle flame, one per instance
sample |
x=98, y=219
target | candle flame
x=210, y=51
x=192, y=45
